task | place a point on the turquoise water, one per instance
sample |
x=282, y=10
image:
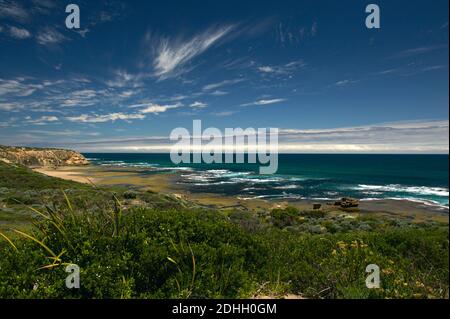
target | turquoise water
x=421, y=178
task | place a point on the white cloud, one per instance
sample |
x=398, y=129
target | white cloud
x=82, y=98
x=83, y=32
x=179, y=97
x=17, y=87
x=171, y=54
x=145, y=108
x=218, y=93
x=400, y=137
x=124, y=79
x=415, y=51
x=112, y=117
x=42, y=120
x=434, y=68
x=266, y=69
x=13, y=10
x=49, y=118
x=342, y=83
x=294, y=34
x=422, y=136
x=388, y=71
x=224, y=113
x=49, y=36
x=264, y=102
x=217, y=85
x=85, y=94
x=19, y=33
x=156, y=109
x=127, y=94
x=284, y=69
x=10, y=106
x=198, y=104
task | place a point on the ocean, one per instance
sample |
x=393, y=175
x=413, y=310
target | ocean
x=420, y=178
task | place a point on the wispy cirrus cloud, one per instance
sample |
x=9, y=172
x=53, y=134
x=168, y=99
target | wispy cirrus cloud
x=346, y=82
x=198, y=105
x=171, y=55
x=10, y=106
x=224, y=113
x=287, y=33
x=13, y=10
x=64, y=95
x=214, y=86
x=411, y=70
x=49, y=36
x=111, y=117
x=144, y=109
x=264, y=102
x=415, y=51
x=19, y=33
x=79, y=98
x=19, y=87
x=218, y=93
x=156, y=109
x=434, y=68
x=125, y=79
x=43, y=120
x=15, y=32
x=44, y=6
x=282, y=69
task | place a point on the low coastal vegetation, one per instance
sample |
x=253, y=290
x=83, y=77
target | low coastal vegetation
x=138, y=244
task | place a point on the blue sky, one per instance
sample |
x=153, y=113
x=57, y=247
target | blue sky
x=135, y=70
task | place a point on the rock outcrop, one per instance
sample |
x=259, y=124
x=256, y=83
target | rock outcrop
x=41, y=156
x=347, y=203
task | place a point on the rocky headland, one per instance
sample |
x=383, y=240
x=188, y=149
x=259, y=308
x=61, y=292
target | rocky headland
x=41, y=156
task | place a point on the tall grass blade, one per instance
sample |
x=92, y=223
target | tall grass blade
x=36, y=241
x=33, y=209
x=8, y=240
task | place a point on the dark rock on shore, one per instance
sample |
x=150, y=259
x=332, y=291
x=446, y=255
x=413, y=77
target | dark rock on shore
x=346, y=202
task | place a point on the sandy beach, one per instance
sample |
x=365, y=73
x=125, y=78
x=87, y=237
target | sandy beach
x=163, y=182
x=67, y=172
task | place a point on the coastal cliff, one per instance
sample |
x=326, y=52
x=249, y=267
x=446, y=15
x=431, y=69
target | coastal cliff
x=41, y=156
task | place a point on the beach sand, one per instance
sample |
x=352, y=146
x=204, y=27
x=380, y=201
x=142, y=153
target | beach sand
x=69, y=173
x=162, y=182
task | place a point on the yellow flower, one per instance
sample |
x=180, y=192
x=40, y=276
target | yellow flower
x=342, y=245
x=388, y=271
x=354, y=244
x=419, y=284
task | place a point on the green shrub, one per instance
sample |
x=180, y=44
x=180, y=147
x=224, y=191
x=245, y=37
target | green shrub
x=146, y=253
x=164, y=249
x=284, y=217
